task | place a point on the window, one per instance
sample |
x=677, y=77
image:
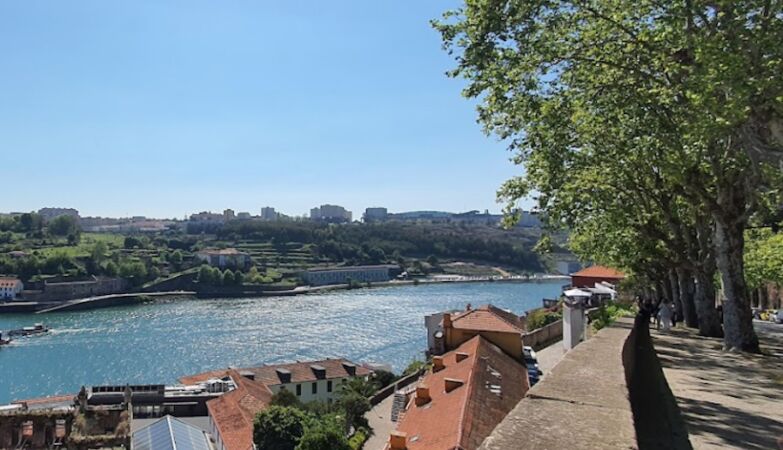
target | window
x=298, y=390
x=329, y=386
x=315, y=387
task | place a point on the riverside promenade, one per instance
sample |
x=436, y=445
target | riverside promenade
x=728, y=400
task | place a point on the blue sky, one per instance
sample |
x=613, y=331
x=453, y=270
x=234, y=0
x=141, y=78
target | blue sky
x=167, y=108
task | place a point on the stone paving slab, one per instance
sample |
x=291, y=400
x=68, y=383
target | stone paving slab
x=728, y=400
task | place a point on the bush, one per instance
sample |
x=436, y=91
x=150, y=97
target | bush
x=609, y=312
x=356, y=442
x=323, y=434
x=542, y=317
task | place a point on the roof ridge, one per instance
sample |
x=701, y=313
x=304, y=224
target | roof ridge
x=503, y=318
x=469, y=383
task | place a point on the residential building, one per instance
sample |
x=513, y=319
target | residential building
x=59, y=288
x=343, y=275
x=228, y=214
x=308, y=380
x=502, y=328
x=331, y=213
x=461, y=399
x=227, y=257
x=596, y=274
x=207, y=216
x=244, y=215
x=10, y=288
x=564, y=267
x=231, y=415
x=268, y=213
x=50, y=213
x=375, y=214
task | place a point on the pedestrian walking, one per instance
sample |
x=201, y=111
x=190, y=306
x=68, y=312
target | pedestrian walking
x=665, y=314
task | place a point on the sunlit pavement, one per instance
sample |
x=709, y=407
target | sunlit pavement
x=728, y=400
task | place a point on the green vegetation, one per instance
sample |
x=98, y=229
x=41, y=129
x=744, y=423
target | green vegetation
x=289, y=424
x=649, y=130
x=541, y=317
x=609, y=312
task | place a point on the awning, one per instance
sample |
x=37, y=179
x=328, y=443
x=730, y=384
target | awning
x=577, y=293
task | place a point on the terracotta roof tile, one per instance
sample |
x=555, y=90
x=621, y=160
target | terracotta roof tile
x=493, y=384
x=233, y=413
x=488, y=318
x=599, y=272
x=301, y=372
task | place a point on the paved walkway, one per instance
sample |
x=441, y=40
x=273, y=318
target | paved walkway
x=549, y=357
x=381, y=424
x=728, y=400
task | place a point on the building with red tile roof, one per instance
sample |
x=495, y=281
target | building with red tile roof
x=589, y=276
x=502, y=328
x=458, y=403
x=10, y=288
x=231, y=415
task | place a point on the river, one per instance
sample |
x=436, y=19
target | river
x=158, y=342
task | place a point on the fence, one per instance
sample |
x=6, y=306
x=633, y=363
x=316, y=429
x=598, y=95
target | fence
x=385, y=392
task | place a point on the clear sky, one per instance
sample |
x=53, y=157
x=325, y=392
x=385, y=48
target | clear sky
x=165, y=108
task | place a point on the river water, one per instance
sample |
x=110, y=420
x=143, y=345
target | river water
x=160, y=341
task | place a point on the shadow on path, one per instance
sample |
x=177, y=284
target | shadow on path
x=728, y=400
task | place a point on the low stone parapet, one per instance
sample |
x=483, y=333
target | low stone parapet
x=590, y=399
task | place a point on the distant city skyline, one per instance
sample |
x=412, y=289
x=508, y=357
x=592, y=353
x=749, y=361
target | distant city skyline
x=163, y=110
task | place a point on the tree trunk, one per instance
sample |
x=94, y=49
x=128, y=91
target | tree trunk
x=674, y=289
x=763, y=297
x=737, y=317
x=704, y=298
x=686, y=288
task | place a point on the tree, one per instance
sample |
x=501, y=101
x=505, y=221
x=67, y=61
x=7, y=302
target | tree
x=176, y=258
x=98, y=252
x=279, y=428
x=284, y=397
x=132, y=242
x=327, y=433
x=239, y=278
x=670, y=77
x=111, y=269
x=64, y=226
x=228, y=277
x=135, y=271
x=354, y=405
x=205, y=275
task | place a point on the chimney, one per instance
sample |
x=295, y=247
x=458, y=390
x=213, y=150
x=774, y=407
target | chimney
x=469, y=307
x=437, y=364
x=446, y=320
x=460, y=356
x=422, y=395
x=452, y=383
x=397, y=440
x=284, y=375
x=350, y=368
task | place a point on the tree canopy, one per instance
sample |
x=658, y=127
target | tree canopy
x=648, y=128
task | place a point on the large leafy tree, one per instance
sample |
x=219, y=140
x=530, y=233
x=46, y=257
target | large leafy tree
x=694, y=83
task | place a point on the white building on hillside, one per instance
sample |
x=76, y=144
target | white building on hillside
x=10, y=288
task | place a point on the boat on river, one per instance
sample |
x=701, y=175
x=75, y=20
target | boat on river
x=4, y=341
x=38, y=328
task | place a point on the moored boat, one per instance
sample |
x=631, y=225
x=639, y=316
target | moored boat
x=38, y=328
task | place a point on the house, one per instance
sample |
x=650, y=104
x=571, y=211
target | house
x=231, y=415
x=309, y=380
x=458, y=403
x=10, y=288
x=502, y=328
x=227, y=257
x=343, y=275
x=589, y=276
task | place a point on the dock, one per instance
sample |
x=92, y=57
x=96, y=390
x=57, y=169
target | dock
x=105, y=301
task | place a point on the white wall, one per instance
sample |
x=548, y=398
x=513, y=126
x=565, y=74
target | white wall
x=307, y=390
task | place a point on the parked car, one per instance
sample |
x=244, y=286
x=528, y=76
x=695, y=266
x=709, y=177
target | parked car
x=534, y=375
x=528, y=352
x=779, y=316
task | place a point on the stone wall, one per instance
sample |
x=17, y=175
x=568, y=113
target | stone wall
x=544, y=336
x=588, y=402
